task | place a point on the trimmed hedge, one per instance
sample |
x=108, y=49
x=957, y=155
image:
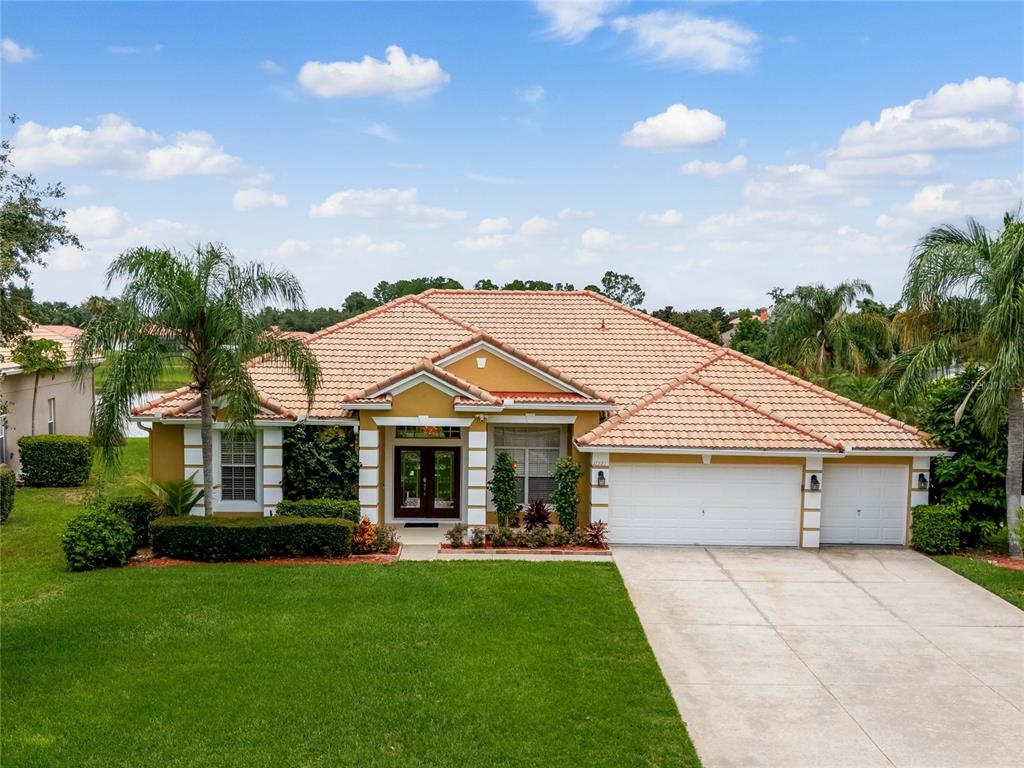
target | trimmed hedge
x=139, y=513
x=97, y=539
x=212, y=539
x=6, y=492
x=935, y=529
x=55, y=461
x=344, y=508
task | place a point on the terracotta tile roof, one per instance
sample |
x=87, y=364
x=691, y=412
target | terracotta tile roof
x=688, y=413
x=423, y=366
x=64, y=335
x=673, y=389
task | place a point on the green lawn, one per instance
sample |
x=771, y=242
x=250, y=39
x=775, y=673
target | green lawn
x=175, y=375
x=1006, y=583
x=432, y=664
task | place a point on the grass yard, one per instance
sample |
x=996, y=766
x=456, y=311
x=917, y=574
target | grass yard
x=415, y=664
x=1006, y=583
x=175, y=374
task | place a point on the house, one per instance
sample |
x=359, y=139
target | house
x=63, y=405
x=682, y=441
x=726, y=336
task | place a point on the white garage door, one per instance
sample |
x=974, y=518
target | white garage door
x=704, y=504
x=864, y=504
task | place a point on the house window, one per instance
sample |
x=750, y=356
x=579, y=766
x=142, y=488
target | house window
x=238, y=468
x=3, y=439
x=427, y=433
x=535, y=451
x=51, y=416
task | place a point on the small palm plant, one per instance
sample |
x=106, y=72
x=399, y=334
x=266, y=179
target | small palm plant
x=172, y=497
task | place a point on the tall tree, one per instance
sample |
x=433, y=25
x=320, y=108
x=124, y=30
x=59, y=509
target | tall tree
x=38, y=358
x=203, y=306
x=814, y=329
x=384, y=291
x=964, y=294
x=622, y=288
x=29, y=227
x=700, y=322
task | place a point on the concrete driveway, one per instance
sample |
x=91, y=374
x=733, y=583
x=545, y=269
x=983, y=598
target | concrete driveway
x=847, y=657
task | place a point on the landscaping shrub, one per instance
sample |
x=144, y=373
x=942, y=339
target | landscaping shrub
x=214, y=539
x=386, y=536
x=536, y=515
x=503, y=489
x=597, y=534
x=173, y=497
x=935, y=529
x=456, y=535
x=477, y=538
x=55, y=461
x=97, y=539
x=344, y=508
x=6, y=492
x=364, y=538
x=561, y=537
x=565, y=496
x=500, y=536
x=537, y=538
x=320, y=462
x=139, y=513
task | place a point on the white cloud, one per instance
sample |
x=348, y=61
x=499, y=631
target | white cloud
x=115, y=145
x=13, y=53
x=92, y=222
x=537, y=225
x=982, y=95
x=568, y=214
x=597, y=238
x=573, y=21
x=860, y=201
x=669, y=218
x=678, y=127
x=135, y=50
x=931, y=200
x=337, y=247
x=271, y=66
x=533, y=94
x=493, y=226
x=399, y=75
x=753, y=223
x=381, y=131
x=501, y=181
x=709, y=44
x=713, y=168
x=779, y=183
x=248, y=199
x=911, y=165
x=482, y=243
x=382, y=203
x=80, y=190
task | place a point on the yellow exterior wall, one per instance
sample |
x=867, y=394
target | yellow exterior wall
x=422, y=400
x=498, y=375
x=167, y=452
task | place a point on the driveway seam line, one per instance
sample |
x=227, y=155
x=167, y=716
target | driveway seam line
x=798, y=656
x=916, y=631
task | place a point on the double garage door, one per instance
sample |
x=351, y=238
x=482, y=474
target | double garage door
x=748, y=504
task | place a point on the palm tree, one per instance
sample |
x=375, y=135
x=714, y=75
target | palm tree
x=814, y=329
x=964, y=294
x=41, y=357
x=202, y=306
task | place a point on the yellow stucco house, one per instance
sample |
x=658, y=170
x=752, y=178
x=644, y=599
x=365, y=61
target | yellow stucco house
x=682, y=441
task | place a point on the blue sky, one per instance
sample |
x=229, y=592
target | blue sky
x=712, y=150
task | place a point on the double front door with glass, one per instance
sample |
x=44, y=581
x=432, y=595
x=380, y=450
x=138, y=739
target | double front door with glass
x=426, y=482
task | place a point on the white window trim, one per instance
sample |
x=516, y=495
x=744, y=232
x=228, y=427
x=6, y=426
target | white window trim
x=51, y=415
x=238, y=506
x=492, y=450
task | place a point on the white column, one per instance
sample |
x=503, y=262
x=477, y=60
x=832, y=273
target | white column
x=810, y=514
x=273, y=469
x=921, y=466
x=369, y=473
x=476, y=480
x=600, y=483
x=193, y=440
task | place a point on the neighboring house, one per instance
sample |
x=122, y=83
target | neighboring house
x=682, y=441
x=63, y=405
x=761, y=317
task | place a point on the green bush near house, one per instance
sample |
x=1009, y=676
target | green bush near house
x=347, y=509
x=211, y=539
x=565, y=496
x=97, y=539
x=935, y=529
x=6, y=492
x=320, y=462
x=55, y=461
x=139, y=513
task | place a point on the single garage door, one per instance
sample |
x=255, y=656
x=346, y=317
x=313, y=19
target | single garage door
x=704, y=504
x=864, y=504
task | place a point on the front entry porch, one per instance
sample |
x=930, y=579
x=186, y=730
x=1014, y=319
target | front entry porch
x=426, y=482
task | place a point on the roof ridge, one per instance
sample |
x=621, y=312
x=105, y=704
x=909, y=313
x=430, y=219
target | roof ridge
x=778, y=372
x=491, y=292
x=359, y=318
x=768, y=413
x=161, y=399
x=446, y=316
x=655, y=321
x=424, y=364
x=625, y=413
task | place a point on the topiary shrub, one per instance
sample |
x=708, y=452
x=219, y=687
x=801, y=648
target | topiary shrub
x=565, y=496
x=935, y=529
x=503, y=489
x=97, y=539
x=139, y=513
x=347, y=509
x=55, y=461
x=6, y=492
x=212, y=539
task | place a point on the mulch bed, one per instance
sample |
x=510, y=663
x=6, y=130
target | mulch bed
x=144, y=559
x=1004, y=561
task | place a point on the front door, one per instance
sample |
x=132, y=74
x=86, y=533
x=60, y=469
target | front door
x=426, y=482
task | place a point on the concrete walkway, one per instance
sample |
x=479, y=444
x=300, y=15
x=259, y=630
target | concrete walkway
x=847, y=657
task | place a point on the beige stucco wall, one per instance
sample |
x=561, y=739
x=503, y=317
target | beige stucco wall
x=74, y=408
